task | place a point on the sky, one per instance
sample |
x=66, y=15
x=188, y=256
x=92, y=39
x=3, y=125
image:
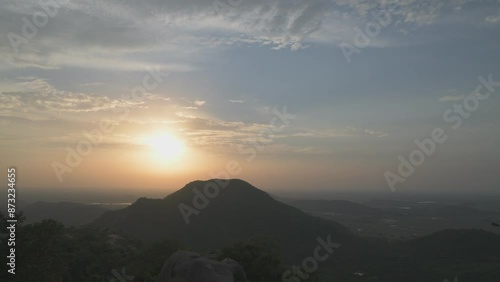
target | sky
x=289, y=95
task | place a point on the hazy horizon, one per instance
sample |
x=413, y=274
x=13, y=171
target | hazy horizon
x=96, y=195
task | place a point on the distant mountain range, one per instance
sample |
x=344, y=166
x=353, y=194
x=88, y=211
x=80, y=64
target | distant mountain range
x=240, y=211
x=70, y=214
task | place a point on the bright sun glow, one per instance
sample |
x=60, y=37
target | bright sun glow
x=166, y=147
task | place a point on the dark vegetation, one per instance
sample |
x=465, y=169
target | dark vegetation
x=265, y=236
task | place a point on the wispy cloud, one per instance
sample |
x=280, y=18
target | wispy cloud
x=340, y=133
x=79, y=35
x=493, y=19
x=199, y=102
x=36, y=97
x=452, y=98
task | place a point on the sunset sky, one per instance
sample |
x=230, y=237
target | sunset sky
x=207, y=80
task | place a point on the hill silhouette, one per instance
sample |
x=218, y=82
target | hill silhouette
x=228, y=221
x=239, y=212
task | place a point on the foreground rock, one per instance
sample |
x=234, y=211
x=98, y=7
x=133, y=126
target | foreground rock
x=191, y=267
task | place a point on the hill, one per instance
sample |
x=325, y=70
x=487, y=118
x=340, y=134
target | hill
x=239, y=212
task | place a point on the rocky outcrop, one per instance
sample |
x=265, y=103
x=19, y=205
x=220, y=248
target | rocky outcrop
x=192, y=267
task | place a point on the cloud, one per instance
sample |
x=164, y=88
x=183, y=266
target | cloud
x=79, y=34
x=493, y=19
x=90, y=84
x=376, y=133
x=339, y=133
x=303, y=134
x=199, y=102
x=212, y=133
x=452, y=98
x=406, y=12
x=56, y=59
x=129, y=35
x=36, y=98
x=38, y=95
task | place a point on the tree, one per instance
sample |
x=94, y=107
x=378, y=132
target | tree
x=261, y=258
x=42, y=254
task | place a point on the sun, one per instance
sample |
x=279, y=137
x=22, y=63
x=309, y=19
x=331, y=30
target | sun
x=166, y=147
